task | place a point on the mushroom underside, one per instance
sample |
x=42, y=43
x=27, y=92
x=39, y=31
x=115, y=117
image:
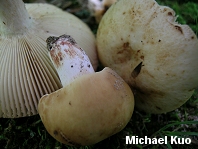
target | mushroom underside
x=26, y=70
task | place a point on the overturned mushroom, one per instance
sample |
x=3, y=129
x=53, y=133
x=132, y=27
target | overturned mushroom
x=91, y=106
x=155, y=55
x=26, y=70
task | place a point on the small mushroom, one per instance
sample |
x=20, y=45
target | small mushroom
x=99, y=7
x=91, y=106
x=154, y=54
x=26, y=70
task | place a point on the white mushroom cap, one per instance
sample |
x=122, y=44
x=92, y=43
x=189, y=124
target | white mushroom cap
x=26, y=70
x=155, y=55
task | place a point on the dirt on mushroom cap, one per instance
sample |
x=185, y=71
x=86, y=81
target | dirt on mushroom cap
x=154, y=54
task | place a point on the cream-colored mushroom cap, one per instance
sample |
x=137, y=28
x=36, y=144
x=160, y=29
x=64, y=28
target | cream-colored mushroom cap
x=90, y=109
x=154, y=54
x=26, y=70
x=91, y=106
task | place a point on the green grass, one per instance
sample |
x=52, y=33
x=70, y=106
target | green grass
x=187, y=11
x=29, y=132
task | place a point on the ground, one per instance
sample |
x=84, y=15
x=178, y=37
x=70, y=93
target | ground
x=29, y=132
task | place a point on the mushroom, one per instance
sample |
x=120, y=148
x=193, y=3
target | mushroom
x=154, y=54
x=91, y=106
x=26, y=70
x=99, y=7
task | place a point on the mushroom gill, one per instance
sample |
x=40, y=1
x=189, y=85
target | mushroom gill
x=26, y=75
x=26, y=70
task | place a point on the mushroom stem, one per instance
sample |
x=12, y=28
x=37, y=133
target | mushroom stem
x=68, y=58
x=14, y=18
